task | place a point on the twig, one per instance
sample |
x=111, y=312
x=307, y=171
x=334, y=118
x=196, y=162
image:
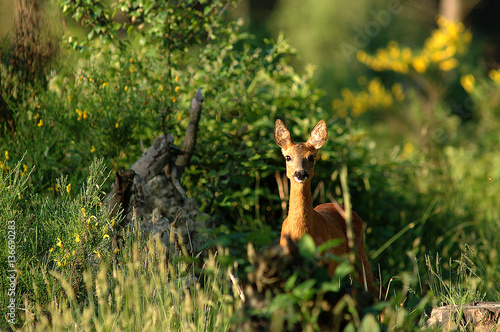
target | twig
x=175, y=180
x=189, y=236
x=191, y=133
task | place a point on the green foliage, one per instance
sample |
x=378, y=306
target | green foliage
x=67, y=233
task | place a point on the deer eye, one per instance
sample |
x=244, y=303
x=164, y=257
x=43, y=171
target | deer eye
x=288, y=158
x=311, y=158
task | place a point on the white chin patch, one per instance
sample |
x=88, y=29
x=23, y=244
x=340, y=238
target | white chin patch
x=299, y=180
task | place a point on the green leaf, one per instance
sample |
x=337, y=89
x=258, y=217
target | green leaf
x=343, y=269
x=307, y=247
x=350, y=328
x=305, y=290
x=332, y=286
x=369, y=324
x=291, y=282
x=330, y=244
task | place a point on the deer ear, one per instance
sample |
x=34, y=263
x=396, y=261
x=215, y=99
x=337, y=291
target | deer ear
x=282, y=135
x=318, y=135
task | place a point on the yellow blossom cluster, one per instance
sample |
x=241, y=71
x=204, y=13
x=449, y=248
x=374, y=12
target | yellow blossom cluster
x=495, y=75
x=81, y=114
x=375, y=96
x=4, y=166
x=448, y=40
x=468, y=81
x=25, y=169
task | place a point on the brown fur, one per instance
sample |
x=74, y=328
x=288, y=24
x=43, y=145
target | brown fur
x=324, y=222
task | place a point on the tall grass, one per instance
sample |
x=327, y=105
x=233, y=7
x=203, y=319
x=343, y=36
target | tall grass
x=151, y=291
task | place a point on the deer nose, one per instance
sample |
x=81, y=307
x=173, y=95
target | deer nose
x=300, y=175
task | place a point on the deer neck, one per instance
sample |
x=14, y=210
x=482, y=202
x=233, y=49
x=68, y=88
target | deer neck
x=300, y=212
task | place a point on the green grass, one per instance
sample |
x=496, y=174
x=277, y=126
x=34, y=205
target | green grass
x=150, y=291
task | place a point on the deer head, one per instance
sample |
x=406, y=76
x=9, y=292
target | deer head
x=300, y=157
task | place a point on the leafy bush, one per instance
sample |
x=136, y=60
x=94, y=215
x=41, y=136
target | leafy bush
x=68, y=233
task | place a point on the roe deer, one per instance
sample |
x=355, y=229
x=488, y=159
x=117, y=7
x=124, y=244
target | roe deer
x=324, y=222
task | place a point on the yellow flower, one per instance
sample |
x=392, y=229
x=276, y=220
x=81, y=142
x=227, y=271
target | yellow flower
x=105, y=236
x=132, y=68
x=83, y=211
x=97, y=253
x=113, y=222
x=70, y=98
x=495, y=75
x=173, y=99
x=406, y=55
x=80, y=113
x=93, y=149
x=5, y=167
x=85, y=114
x=468, y=82
x=68, y=188
x=104, y=84
x=117, y=125
x=449, y=64
x=40, y=123
x=6, y=155
x=116, y=250
x=77, y=238
x=51, y=249
x=362, y=56
x=408, y=149
x=125, y=88
x=420, y=65
x=25, y=168
x=58, y=262
x=73, y=252
x=59, y=242
x=177, y=89
x=90, y=79
x=176, y=78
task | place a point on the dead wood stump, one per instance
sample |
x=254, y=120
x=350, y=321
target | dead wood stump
x=479, y=317
x=150, y=195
